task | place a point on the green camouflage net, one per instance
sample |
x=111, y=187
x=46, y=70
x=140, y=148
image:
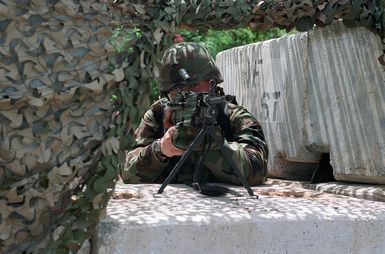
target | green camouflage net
x=69, y=99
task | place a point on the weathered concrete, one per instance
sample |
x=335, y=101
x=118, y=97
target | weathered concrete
x=374, y=192
x=364, y=191
x=284, y=219
x=316, y=92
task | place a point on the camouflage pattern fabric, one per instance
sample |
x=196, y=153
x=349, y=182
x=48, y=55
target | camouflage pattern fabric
x=247, y=147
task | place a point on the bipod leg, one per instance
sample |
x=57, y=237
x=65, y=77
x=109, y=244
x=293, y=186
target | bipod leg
x=197, y=141
x=232, y=163
x=198, y=166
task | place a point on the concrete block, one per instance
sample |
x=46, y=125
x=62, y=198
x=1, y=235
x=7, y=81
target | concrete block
x=284, y=219
x=364, y=191
x=316, y=92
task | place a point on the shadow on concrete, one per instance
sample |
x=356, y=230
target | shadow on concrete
x=179, y=204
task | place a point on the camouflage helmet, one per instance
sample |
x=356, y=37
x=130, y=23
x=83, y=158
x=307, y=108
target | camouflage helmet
x=184, y=64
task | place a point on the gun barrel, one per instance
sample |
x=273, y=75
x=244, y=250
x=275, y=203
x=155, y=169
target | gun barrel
x=217, y=100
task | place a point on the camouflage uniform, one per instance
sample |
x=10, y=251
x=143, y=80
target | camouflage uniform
x=247, y=147
x=244, y=139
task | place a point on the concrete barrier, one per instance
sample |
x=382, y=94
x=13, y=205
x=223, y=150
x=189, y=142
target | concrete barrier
x=285, y=219
x=316, y=92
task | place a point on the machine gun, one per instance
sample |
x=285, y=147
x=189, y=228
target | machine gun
x=200, y=111
x=192, y=109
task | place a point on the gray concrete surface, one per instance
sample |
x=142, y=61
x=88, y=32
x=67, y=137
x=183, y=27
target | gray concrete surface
x=285, y=219
x=374, y=192
x=316, y=92
x=363, y=191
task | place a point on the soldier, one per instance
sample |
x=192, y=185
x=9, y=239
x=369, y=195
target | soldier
x=159, y=144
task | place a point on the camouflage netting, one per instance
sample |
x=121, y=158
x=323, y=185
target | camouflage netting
x=67, y=98
x=55, y=82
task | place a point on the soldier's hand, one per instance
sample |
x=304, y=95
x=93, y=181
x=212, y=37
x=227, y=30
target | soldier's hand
x=184, y=136
x=166, y=145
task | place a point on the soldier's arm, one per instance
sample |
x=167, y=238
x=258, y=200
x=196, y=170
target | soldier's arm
x=141, y=164
x=247, y=147
x=249, y=136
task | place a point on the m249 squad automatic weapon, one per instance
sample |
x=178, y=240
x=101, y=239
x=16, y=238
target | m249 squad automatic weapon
x=199, y=111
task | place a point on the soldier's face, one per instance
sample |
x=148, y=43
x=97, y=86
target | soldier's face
x=202, y=86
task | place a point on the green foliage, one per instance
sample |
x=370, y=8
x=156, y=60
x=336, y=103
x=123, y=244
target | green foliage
x=217, y=41
x=124, y=40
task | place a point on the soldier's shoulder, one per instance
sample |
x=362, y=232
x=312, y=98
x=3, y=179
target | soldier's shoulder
x=156, y=107
x=238, y=111
x=156, y=104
